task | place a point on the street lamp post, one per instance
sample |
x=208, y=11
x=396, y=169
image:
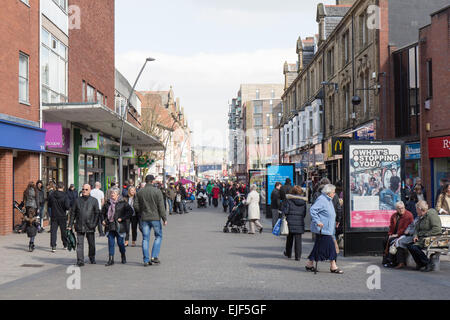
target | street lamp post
x=165, y=149
x=124, y=116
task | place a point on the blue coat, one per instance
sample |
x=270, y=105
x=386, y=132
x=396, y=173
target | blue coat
x=322, y=211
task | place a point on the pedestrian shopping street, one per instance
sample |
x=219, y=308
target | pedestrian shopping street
x=200, y=262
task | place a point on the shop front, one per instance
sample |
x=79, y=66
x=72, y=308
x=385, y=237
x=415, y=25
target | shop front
x=439, y=153
x=21, y=142
x=55, y=160
x=412, y=157
x=95, y=147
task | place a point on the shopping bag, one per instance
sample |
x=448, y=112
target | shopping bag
x=277, y=228
x=284, y=230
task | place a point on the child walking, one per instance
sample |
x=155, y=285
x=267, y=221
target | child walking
x=32, y=226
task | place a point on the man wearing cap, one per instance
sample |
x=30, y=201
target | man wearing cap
x=149, y=207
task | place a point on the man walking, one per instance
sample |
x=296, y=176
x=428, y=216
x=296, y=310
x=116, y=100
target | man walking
x=59, y=203
x=149, y=206
x=275, y=203
x=85, y=215
x=98, y=194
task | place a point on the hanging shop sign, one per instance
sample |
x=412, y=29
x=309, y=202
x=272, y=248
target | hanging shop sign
x=337, y=145
x=412, y=151
x=90, y=140
x=367, y=132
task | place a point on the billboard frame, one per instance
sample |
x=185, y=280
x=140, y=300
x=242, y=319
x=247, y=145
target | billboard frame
x=365, y=241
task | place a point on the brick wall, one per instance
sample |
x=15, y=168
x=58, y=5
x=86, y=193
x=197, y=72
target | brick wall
x=6, y=197
x=91, y=51
x=434, y=45
x=19, y=27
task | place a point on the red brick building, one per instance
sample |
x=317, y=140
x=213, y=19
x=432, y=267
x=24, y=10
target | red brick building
x=21, y=139
x=91, y=52
x=435, y=100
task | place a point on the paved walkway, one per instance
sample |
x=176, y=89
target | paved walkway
x=200, y=262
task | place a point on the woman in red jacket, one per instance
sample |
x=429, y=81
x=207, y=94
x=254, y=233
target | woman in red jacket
x=398, y=224
x=216, y=193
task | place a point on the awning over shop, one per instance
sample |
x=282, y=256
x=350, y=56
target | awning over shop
x=22, y=137
x=98, y=117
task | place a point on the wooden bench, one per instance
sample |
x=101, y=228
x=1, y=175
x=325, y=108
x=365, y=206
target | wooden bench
x=439, y=245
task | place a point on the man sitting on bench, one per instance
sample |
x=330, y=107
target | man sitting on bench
x=429, y=225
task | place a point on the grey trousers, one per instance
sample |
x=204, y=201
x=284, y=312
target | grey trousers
x=80, y=245
x=275, y=217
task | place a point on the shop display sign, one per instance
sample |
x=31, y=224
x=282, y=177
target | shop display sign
x=412, y=151
x=439, y=147
x=374, y=180
x=278, y=173
x=365, y=133
x=53, y=136
x=65, y=146
x=257, y=177
x=90, y=140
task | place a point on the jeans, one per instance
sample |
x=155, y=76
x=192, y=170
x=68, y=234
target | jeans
x=231, y=204
x=183, y=203
x=112, y=235
x=146, y=227
x=170, y=205
x=209, y=199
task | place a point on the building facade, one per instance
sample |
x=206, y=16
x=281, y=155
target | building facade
x=434, y=101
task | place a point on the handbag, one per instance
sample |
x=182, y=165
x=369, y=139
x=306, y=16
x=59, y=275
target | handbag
x=284, y=229
x=393, y=249
x=277, y=228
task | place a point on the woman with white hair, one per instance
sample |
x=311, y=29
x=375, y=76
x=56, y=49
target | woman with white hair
x=254, y=214
x=323, y=224
x=115, y=214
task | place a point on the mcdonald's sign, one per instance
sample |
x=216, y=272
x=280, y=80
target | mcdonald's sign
x=337, y=146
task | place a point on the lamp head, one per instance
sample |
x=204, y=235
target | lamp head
x=150, y=59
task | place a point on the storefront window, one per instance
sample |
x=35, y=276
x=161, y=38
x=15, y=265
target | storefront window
x=441, y=170
x=54, y=169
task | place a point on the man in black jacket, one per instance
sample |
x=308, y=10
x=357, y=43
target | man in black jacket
x=275, y=203
x=85, y=215
x=59, y=203
x=285, y=189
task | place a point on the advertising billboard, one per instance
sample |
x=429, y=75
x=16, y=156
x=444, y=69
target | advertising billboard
x=278, y=173
x=375, y=184
x=374, y=172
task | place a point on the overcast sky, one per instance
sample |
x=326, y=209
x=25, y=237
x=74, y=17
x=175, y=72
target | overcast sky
x=206, y=48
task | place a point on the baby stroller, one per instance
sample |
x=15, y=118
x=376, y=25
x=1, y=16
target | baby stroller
x=20, y=228
x=236, y=220
x=201, y=199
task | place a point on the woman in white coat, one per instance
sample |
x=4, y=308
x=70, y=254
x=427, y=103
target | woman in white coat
x=254, y=214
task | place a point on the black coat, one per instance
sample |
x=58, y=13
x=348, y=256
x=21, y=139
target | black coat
x=123, y=211
x=72, y=195
x=275, y=199
x=284, y=191
x=59, y=202
x=85, y=214
x=294, y=208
